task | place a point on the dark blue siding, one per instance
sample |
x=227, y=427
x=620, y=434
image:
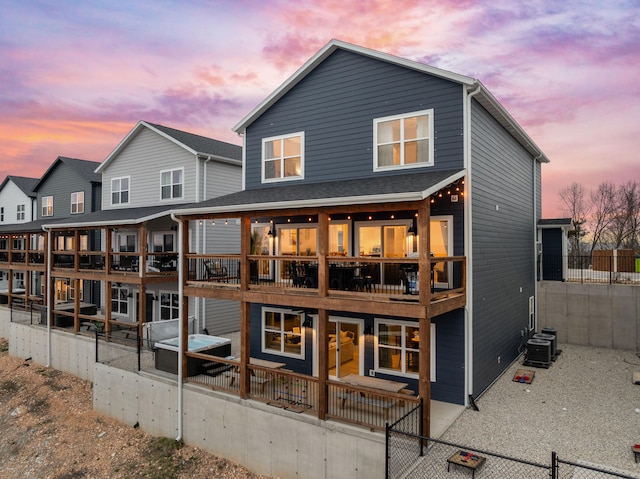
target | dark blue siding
x=449, y=353
x=335, y=106
x=503, y=246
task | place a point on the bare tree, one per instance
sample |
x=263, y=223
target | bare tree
x=624, y=229
x=575, y=205
x=603, y=206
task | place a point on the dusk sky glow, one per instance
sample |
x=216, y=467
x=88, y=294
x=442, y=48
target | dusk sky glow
x=77, y=76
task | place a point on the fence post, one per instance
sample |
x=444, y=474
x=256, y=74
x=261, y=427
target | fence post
x=96, y=345
x=387, y=451
x=422, y=443
x=554, y=465
x=138, y=346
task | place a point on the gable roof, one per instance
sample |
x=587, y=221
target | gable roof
x=555, y=223
x=396, y=188
x=84, y=168
x=194, y=144
x=473, y=86
x=24, y=183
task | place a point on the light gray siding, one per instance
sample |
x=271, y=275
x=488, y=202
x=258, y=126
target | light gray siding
x=503, y=229
x=10, y=197
x=221, y=179
x=142, y=160
x=335, y=106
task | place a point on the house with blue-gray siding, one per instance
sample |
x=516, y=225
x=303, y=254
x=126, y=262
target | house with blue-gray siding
x=387, y=239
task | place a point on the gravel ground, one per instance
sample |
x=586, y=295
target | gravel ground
x=585, y=407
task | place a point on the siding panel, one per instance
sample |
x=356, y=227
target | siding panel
x=335, y=106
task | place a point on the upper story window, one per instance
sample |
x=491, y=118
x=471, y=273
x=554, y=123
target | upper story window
x=171, y=184
x=283, y=157
x=20, y=212
x=47, y=206
x=403, y=141
x=120, y=191
x=77, y=202
x=1, y=213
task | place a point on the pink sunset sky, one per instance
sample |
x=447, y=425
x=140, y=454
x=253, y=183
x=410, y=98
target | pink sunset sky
x=77, y=76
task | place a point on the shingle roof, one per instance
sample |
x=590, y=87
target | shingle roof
x=25, y=184
x=85, y=168
x=407, y=187
x=555, y=222
x=119, y=216
x=202, y=144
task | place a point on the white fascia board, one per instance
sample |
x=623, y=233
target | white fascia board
x=131, y=221
x=324, y=202
x=127, y=139
x=495, y=108
x=322, y=54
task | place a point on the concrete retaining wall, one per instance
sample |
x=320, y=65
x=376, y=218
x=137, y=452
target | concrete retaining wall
x=599, y=315
x=267, y=440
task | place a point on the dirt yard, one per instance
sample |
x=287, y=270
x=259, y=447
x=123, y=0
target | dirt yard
x=49, y=430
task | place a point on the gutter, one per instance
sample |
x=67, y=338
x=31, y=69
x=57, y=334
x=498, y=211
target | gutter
x=180, y=335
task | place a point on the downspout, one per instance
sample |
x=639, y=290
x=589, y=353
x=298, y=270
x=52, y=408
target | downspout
x=468, y=244
x=535, y=246
x=180, y=348
x=49, y=298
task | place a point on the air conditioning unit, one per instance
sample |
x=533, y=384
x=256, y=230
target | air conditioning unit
x=548, y=337
x=538, y=353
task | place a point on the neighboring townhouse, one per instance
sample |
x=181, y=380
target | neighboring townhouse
x=69, y=188
x=17, y=200
x=17, y=204
x=388, y=240
x=133, y=254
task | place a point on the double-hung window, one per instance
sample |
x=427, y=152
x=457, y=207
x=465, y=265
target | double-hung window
x=171, y=184
x=77, y=202
x=403, y=141
x=47, y=206
x=120, y=191
x=20, y=213
x=283, y=157
x=282, y=333
x=1, y=214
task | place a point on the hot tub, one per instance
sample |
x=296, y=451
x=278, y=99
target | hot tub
x=167, y=353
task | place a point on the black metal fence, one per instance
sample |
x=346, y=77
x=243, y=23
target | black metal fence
x=410, y=455
x=590, y=269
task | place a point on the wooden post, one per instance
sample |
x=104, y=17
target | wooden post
x=323, y=364
x=245, y=307
x=323, y=248
x=424, y=382
x=184, y=312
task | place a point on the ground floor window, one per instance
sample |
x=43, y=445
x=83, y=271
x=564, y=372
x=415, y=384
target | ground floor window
x=398, y=347
x=120, y=300
x=169, y=305
x=282, y=333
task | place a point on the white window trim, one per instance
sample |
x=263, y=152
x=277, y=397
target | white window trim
x=77, y=203
x=111, y=191
x=128, y=302
x=170, y=307
x=381, y=223
x=42, y=207
x=349, y=235
x=302, y=155
x=393, y=372
x=171, y=198
x=431, y=161
x=283, y=353
x=20, y=212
